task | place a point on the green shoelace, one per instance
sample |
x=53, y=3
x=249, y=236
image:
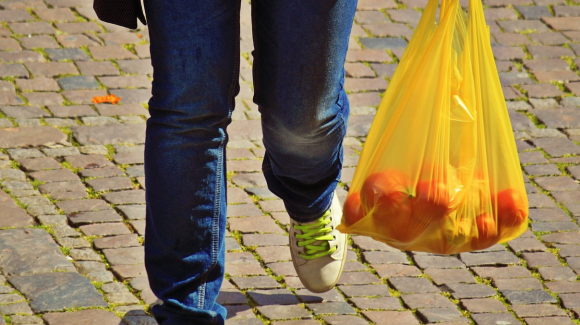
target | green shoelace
x=315, y=238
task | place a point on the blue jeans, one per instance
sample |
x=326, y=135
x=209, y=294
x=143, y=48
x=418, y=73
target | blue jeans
x=300, y=48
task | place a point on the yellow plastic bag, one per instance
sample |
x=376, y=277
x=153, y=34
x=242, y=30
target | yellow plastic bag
x=439, y=171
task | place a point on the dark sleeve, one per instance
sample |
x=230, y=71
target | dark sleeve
x=120, y=12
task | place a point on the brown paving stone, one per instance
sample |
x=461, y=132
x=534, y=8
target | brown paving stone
x=59, y=175
x=22, y=112
x=255, y=224
x=396, y=270
x=517, y=26
x=549, y=38
x=541, y=259
x=563, y=23
x=110, y=52
x=433, y=261
x=110, y=183
x=563, y=286
x=443, y=276
x=385, y=303
x=274, y=253
x=518, y=284
x=365, y=290
x=265, y=240
x=105, y=229
x=110, y=134
x=82, y=96
x=413, y=285
x=41, y=41
x=368, y=56
x=16, y=15
x=75, y=28
x=526, y=245
x=284, y=312
x=136, y=81
x=51, y=69
x=21, y=57
x=483, y=305
x=568, y=250
x=385, y=257
x=548, y=52
x=128, y=240
x=357, y=278
x=125, y=197
x=549, y=321
x=495, y=318
x=43, y=98
x=102, y=172
x=391, y=317
x=559, y=76
x=511, y=39
x=557, y=273
x=37, y=84
x=256, y=282
x=31, y=136
x=547, y=65
x=129, y=271
x=124, y=256
x=538, y=310
x=82, y=205
x=272, y=205
x=358, y=70
x=242, y=264
x=125, y=110
x=41, y=27
x=60, y=14
x=35, y=164
x=72, y=111
x=541, y=91
x=243, y=210
x=103, y=68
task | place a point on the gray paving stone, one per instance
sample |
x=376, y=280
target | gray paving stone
x=88, y=217
x=78, y=82
x=16, y=308
x=67, y=54
x=30, y=251
x=55, y=291
x=333, y=307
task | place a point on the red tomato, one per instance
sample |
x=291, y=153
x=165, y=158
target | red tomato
x=511, y=208
x=487, y=232
x=432, y=201
x=386, y=195
x=352, y=210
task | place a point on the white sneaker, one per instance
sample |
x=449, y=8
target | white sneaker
x=319, y=250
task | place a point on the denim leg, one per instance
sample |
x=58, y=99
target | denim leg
x=300, y=49
x=195, y=57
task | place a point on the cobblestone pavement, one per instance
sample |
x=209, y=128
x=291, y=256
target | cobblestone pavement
x=72, y=205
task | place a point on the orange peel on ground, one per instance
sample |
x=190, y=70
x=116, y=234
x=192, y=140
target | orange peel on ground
x=106, y=99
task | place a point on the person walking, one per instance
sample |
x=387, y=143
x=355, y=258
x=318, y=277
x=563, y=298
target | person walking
x=298, y=69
